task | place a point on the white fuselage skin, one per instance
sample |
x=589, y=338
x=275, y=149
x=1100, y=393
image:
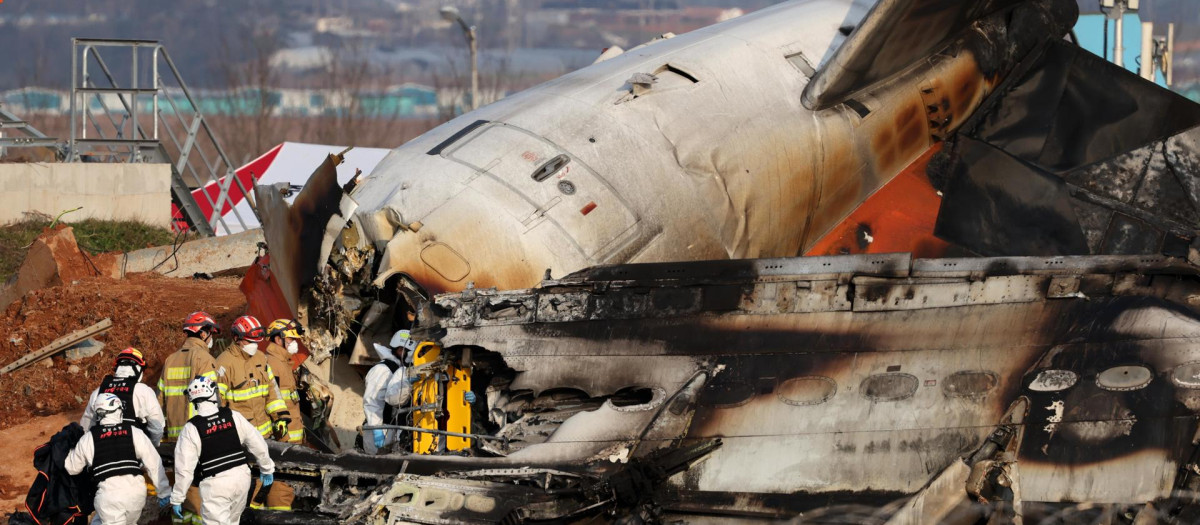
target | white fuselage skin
x=731, y=165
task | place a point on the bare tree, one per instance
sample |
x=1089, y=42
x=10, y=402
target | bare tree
x=251, y=83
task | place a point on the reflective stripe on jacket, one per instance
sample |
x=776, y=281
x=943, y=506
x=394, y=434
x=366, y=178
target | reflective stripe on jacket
x=191, y=360
x=281, y=365
x=247, y=385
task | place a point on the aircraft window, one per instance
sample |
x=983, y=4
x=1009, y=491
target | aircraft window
x=637, y=399
x=1124, y=378
x=1187, y=375
x=969, y=384
x=1053, y=380
x=806, y=391
x=551, y=167
x=627, y=397
x=801, y=63
x=892, y=386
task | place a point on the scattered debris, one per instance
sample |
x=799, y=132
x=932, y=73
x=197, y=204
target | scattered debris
x=86, y=348
x=58, y=345
x=145, y=309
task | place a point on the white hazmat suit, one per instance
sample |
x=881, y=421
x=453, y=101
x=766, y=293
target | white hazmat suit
x=383, y=387
x=145, y=405
x=222, y=496
x=120, y=499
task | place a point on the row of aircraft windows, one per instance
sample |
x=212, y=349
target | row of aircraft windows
x=896, y=386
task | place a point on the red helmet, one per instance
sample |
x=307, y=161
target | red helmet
x=248, y=328
x=199, y=321
x=132, y=356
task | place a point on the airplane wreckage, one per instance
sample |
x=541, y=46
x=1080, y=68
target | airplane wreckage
x=921, y=261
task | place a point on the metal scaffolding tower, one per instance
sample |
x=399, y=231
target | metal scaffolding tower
x=116, y=122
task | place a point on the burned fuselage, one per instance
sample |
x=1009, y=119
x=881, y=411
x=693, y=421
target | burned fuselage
x=751, y=138
x=764, y=388
x=817, y=384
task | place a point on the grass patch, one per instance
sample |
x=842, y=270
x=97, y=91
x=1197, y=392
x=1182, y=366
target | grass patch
x=94, y=236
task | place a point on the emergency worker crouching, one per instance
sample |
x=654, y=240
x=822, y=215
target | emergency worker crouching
x=140, y=404
x=117, y=451
x=212, y=452
x=283, y=342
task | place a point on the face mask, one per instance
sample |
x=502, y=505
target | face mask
x=293, y=347
x=250, y=348
x=210, y=341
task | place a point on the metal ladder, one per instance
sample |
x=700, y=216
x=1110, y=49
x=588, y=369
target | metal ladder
x=31, y=136
x=126, y=123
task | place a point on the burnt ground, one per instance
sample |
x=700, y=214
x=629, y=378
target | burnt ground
x=146, y=311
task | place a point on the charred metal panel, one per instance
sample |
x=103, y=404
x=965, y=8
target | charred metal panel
x=996, y=204
x=301, y=234
x=1075, y=109
x=871, y=295
x=1073, y=155
x=898, y=33
x=1070, y=266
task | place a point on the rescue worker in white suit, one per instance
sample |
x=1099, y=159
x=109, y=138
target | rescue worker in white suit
x=116, y=451
x=140, y=403
x=212, y=449
x=386, y=388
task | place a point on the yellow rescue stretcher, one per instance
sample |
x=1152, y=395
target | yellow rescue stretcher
x=441, y=385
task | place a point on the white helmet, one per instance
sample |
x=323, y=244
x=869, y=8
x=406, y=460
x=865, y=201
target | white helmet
x=105, y=404
x=402, y=339
x=202, y=389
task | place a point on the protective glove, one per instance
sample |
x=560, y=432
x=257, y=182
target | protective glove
x=378, y=438
x=267, y=479
x=469, y=397
x=281, y=426
x=412, y=380
x=164, y=501
x=177, y=511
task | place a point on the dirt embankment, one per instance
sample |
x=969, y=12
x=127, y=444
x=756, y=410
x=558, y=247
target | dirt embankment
x=146, y=312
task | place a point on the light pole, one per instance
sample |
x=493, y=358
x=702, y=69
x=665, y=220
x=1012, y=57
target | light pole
x=450, y=13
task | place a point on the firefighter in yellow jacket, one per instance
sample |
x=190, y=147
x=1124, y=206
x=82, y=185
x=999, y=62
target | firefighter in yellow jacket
x=191, y=360
x=246, y=381
x=283, y=342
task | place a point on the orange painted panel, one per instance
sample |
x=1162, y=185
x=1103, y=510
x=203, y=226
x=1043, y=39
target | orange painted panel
x=899, y=217
x=264, y=299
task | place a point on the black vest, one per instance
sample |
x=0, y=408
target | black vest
x=389, y=410
x=114, y=453
x=220, y=445
x=123, y=389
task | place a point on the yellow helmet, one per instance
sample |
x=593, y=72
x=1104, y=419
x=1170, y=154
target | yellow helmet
x=284, y=327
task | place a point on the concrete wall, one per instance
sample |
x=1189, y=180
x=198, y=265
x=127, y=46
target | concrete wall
x=211, y=255
x=139, y=192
